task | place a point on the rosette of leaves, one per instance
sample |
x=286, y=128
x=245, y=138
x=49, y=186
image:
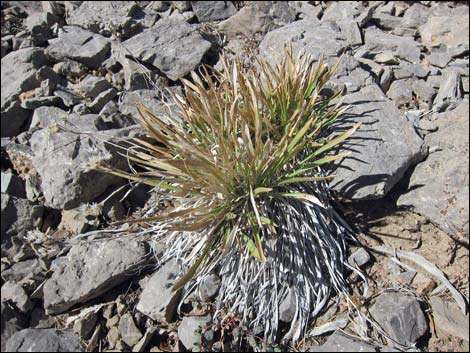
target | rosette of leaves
x=241, y=162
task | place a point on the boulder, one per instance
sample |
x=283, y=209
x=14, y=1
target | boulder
x=91, y=269
x=439, y=186
x=383, y=148
x=173, y=46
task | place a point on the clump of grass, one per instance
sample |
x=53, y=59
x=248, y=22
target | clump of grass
x=242, y=167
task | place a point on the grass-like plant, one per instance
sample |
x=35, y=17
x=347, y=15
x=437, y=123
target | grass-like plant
x=241, y=166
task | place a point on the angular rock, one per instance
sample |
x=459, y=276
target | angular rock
x=351, y=32
x=383, y=148
x=107, y=17
x=39, y=25
x=91, y=86
x=89, y=270
x=174, y=47
x=16, y=295
x=50, y=340
x=449, y=318
x=70, y=68
x=84, y=326
x=64, y=160
x=306, y=11
x=11, y=184
x=26, y=271
x=142, y=344
x=80, y=220
x=404, y=47
x=19, y=70
x=69, y=98
x=213, y=10
x=415, y=16
x=45, y=116
x=439, y=186
x=258, y=17
x=339, y=342
x=400, y=92
x=449, y=32
x=287, y=307
x=386, y=21
x=209, y=286
x=11, y=321
x=157, y=299
x=386, y=57
x=439, y=59
x=313, y=40
x=36, y=102
x=100, y=101
x=423, y=90
x=359, y=258
x=345, y=10
x=188, y=326
x=400, y=316
x=449, y=90
x=80, y=45
x=130, y=334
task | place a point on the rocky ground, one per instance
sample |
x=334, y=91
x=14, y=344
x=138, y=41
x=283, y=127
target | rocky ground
x=72, y=72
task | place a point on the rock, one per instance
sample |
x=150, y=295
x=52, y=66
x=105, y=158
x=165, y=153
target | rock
x=11, y=184
x=258, y=17
x=373, y=67
x=465, y=84
x=415, y=16
x=100, y=101
x=70, y=68
x=18, y=216
x=209, y=286
x=213, y=10
x=423, y=90
x=36, y=102
x=405, y=278
x=112, y=337
x=26, y=271
x=385, y=21
x=50, y=340
x=346, y=10
x=306, y=11
x=449, y=32
x=174, y=47
x=355, y=80
x=80, y=220
x=85, y=325
x=313, y=40
x=400, y=92
x=449, y=90
x=439, y=59
x=66, y=178
x=21, y=157
x=19, y=70
x=80, y=45
x=386, y=79
x=45, y=116
x=39, y=24
x=91, y=86
x=439, y=187
x=89, y=270
x=351, y=32
x=404, y=47
x=181, y=5
x=384, y=147
x=16, y=295
x=69, y=98
x=11, y=321
x=287, y=307
x=143, y=343
x=129, y=332
x=339, y=342
x=386, y=57
x=400, y=316
x=359, y=258
x=150, y=98
x=107, y=17
x=188, y=326
x=157, y=299
x=449, y=318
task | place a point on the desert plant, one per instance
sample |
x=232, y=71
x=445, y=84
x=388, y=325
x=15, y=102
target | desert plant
x=241, y=164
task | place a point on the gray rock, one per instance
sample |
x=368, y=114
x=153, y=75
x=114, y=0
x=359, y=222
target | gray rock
x=213, y=10
x=386, y=57
x=287, y=307
x=351, y=32
x=11, y=184
x=32, y=270
x=439, y=187
x=39, y=25
x=209, y=286
x=130, y=334
x=415, y=16
x=18, y=216
x=306, y=11
x=400, y=316
x=355, y=80
x=346, y=10
x=372, y=66
x=80, y=45
x=449, y=90
x=36, y=102
x=423, y=90
x=45, y=116
x=449, y=318
x=100, y=101
x=19, y=70
x=465, y=84
x=439, y=59
x=386, y=21
x=383, y=148
x=258, y=17
x=400, y=92
x=386, y=79
x=181, y=5
x=91, y=86
x=450, y=32
x=339, y=342
x=145, y=340
x=359, y=258
x=84, y=326
x=157, y=300
x=11, y=321
x=312, y=40
x=107, y=17
x=81, y=219
x=69, y=98
x=16, y=295
x=404, y=47
x=70, y=68
x=65, y=162
x=50, y=340
x=188, y=326
x=406, y=70
x=91, y=269
x=174, y=47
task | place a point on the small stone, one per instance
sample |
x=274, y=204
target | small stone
x=100, y=101
x=85, y=326
x=112, y=321
x=439, y=59
x=112, y=337
x=423, y=90
x=400, y=316
x=405, y=278
x=188, y=326
x=375, y=68
x=287, y=307
x=16, y=295
x=209, y=286
x=449, y=91
x=400, y=92
x=213, y=10
x=386, y=57
x=144, y=341
x=386, y=79
x=128, y=330
x=359, y=258
x=449, y=318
